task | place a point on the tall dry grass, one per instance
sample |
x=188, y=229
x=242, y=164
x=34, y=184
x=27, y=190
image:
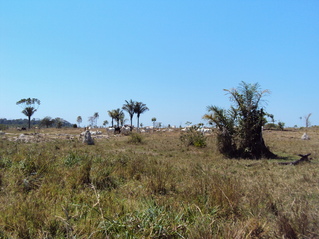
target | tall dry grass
x=153, y=186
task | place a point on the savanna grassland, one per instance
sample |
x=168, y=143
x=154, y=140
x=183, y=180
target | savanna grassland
x=153, y=186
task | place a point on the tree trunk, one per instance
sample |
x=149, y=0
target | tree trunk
x=253, y=145
x=138, y=122
x=29, y=121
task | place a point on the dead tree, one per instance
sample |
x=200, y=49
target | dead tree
x=304, y=158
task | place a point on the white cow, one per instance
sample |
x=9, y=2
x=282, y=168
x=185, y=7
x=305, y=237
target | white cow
x=96, y=132
x=305, y=136
x=186, y=128
x=125, y=130
x=149, y=128
x=110, y=130
x=204, y=130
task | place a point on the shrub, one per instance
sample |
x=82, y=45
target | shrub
x=281, y=125
x=3, y=127
x=193, y=137
x=136, y=138
x=272, y=126
x=240, y=127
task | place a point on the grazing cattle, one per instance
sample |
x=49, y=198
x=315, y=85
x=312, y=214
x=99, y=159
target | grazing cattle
x=21, y=128
x=96, y=132
x=204, y=130
x=186, y=128
x=110, y=130
x=117, y=130
x=126, y=130
x=149, y=128
x=305, y=136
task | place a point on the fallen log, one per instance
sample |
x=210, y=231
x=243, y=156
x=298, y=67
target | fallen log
x=304, y=158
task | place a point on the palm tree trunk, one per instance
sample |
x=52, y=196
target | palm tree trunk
x=29, y=121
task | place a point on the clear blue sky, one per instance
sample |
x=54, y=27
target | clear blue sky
x=81, y=57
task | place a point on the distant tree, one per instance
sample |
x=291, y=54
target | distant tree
x=79, y=120
x=96, y=116
x=281, y=125
x=240, y=128
x=29, y=107
x=47, y=122
x=58, y=122
x=112, y=114
x=117, y=115
x=105, y=122
x=91, y=120
x=271, y=116
x=139, y=109
x=307, y=121
x=129, y=107
x=154, y=121
x=122, y=118
x=188, y=123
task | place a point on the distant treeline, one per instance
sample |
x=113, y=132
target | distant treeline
x=12, y=123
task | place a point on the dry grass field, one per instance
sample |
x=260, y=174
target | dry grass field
x=152, y=186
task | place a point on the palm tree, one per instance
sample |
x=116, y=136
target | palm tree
x=79, y=120
x=96, y=116
x=240, y=128
x=105, y=122
x=118, y=116
x=129, y=107
x=29, y=107
x=139, y=109
x=112, y=115
x=122, y=118
x=91, y=120
x=225, y=123
x=154, y=120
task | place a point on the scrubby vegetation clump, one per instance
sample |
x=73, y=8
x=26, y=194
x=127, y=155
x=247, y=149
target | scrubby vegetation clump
x=193, y=137
x=240, y=127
